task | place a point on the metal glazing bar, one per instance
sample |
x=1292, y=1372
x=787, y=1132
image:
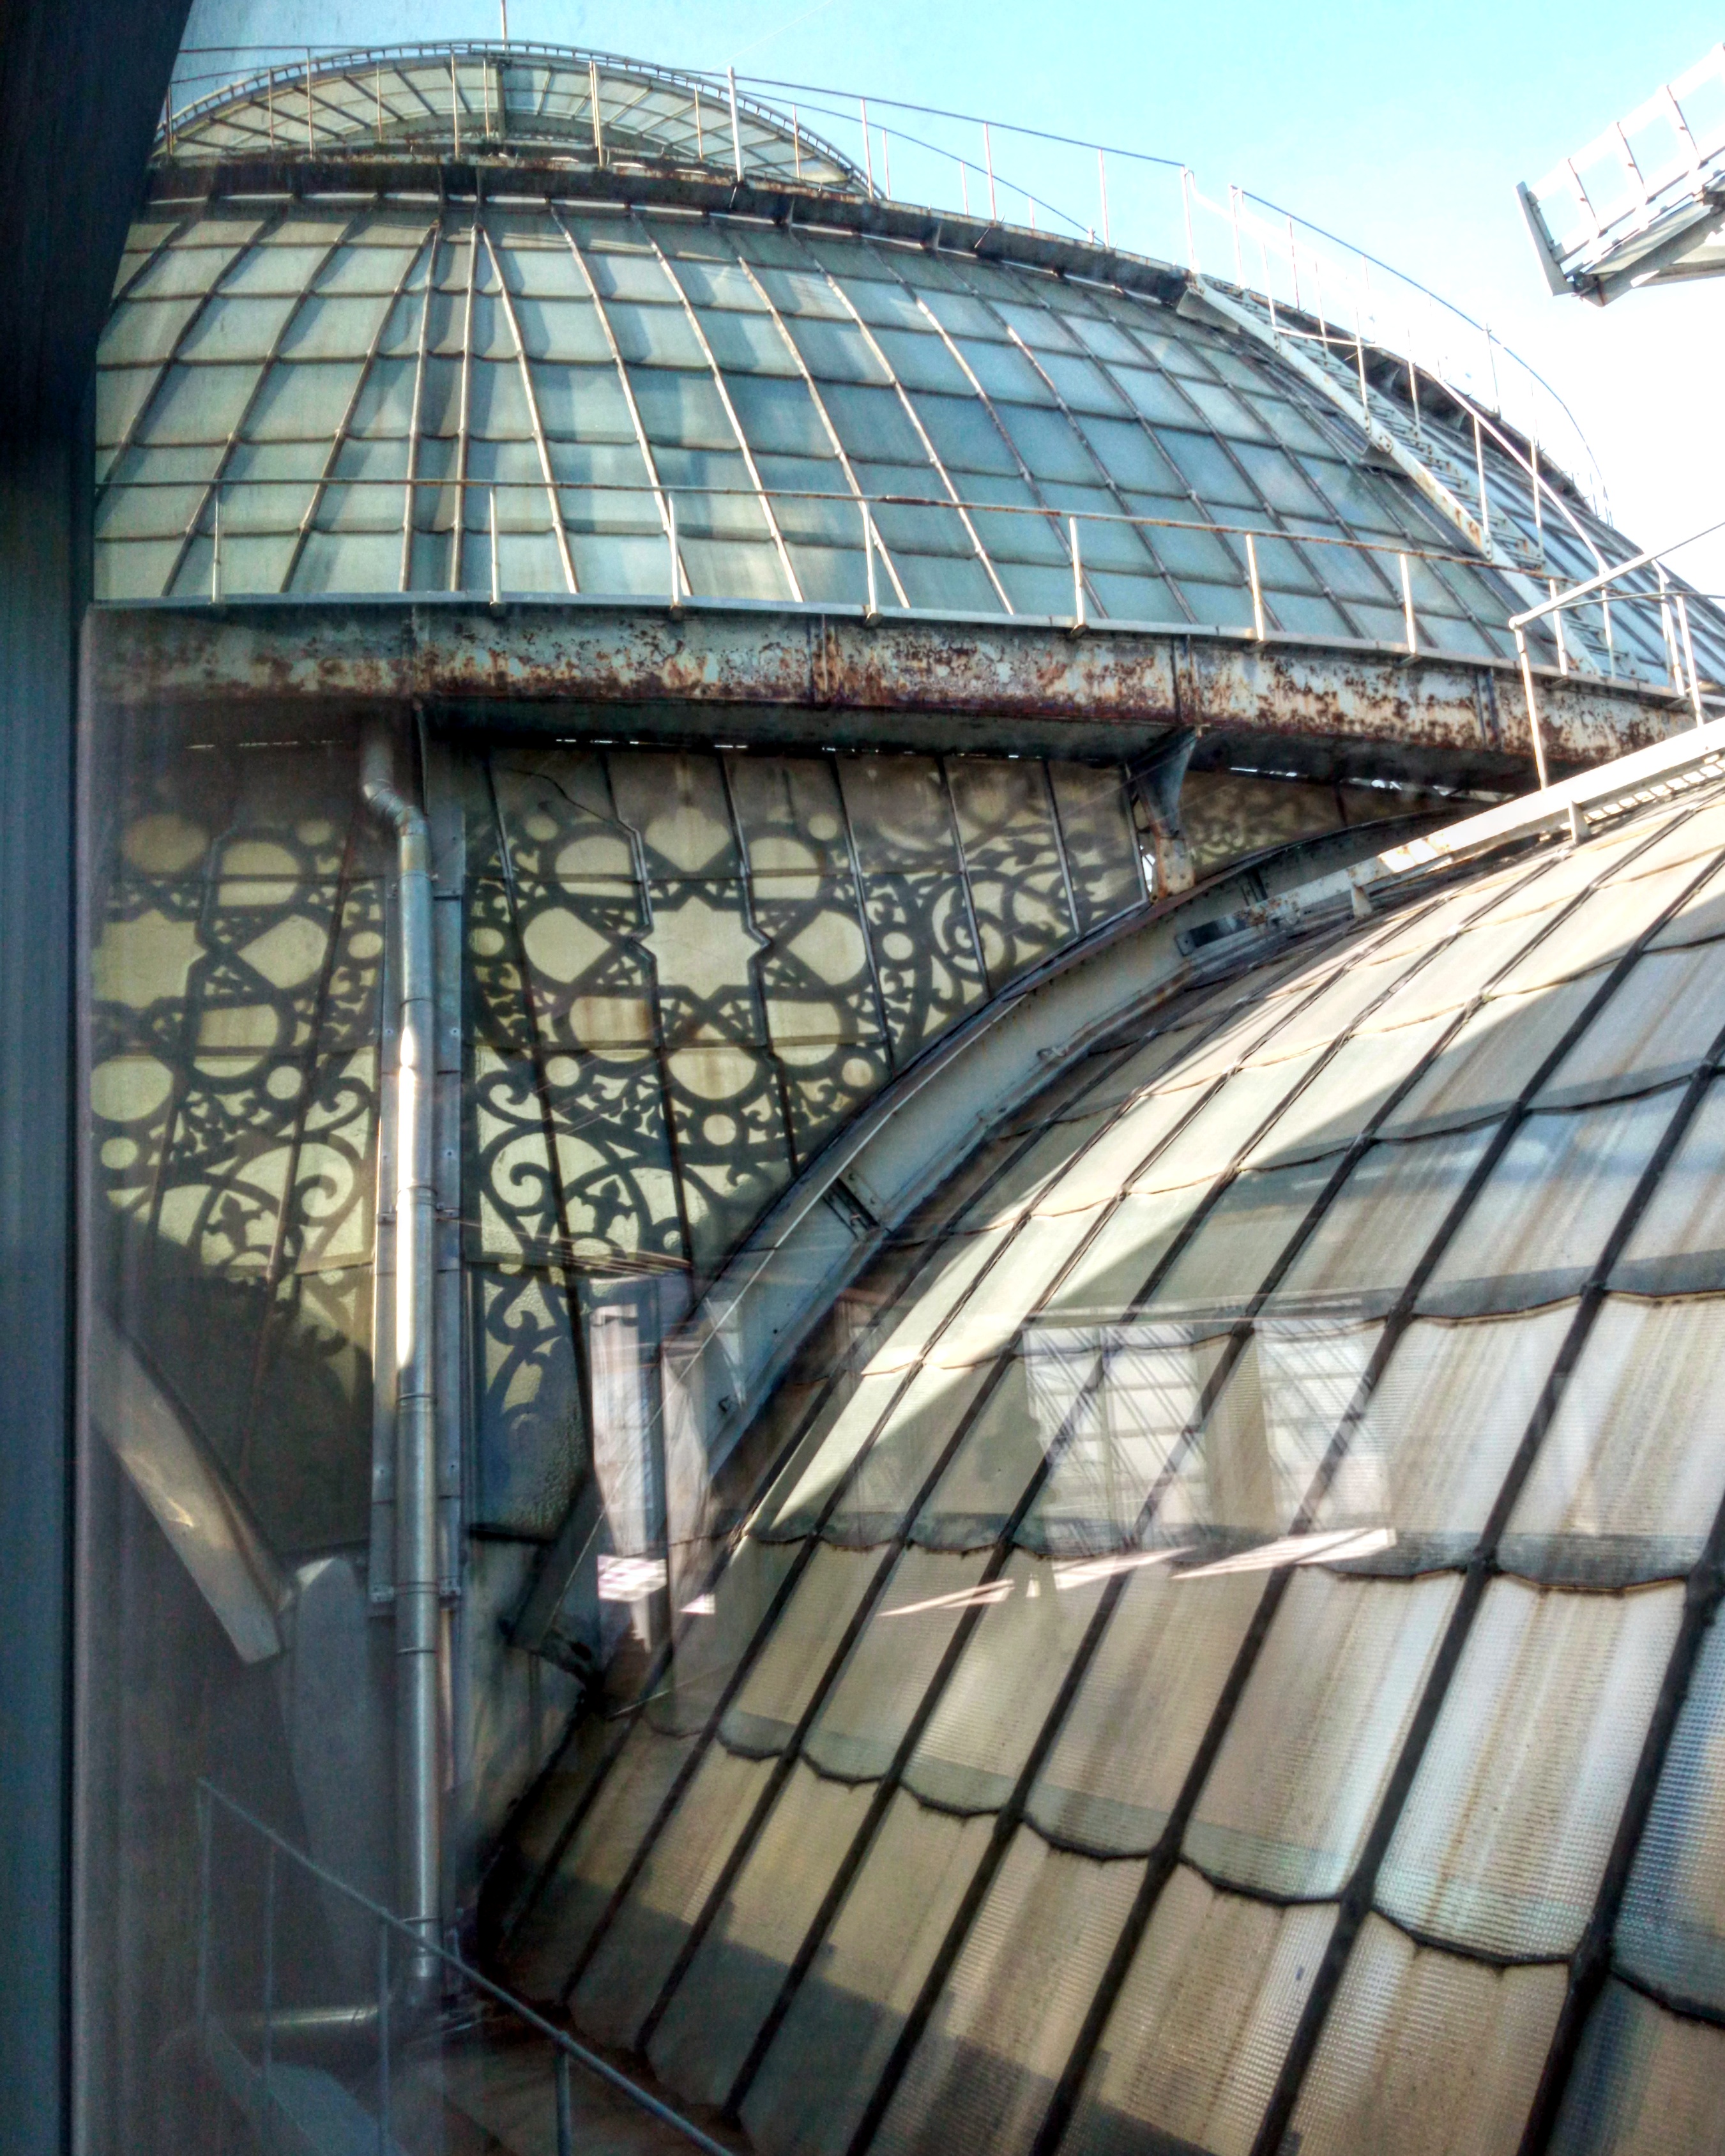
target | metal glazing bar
x=1163, y=1858
x=552, y=500
x=831, y=432
x=1027, y=477
x=763, y=499
x=922, y=434
x=933, y=1690
x=1356, y=1896
x=212, y=486
x=129, y=434
x=345, y=425
x=418, y=411
x=929, y=1992
x=853, y=855
x=757, y=992
x=667, y=515
x=458, y=535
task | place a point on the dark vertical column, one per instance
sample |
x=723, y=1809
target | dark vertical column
x=38, y=552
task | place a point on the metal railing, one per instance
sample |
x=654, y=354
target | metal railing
x=215, y=522
x=274, y=2020
x=1672, y=601
x=1104, y=195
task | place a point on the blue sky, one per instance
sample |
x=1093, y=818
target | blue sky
x=1403, y=129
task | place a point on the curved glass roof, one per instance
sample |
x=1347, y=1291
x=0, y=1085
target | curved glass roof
x=1229, y=1639
x=500, y=102
x=395, y=395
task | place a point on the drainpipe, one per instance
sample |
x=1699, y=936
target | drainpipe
x=418, y=1831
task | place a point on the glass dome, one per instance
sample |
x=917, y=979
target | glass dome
x=352, y=363
x=1221, y=1661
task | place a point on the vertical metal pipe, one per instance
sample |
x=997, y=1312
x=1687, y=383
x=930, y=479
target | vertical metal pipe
x=1556, y=627
x=1408, y=605
x=1257, y=589
x=1534, y=467
x=215, y=550
x=592, y=98
x=1102, y=187
x=1533, y=709
x=989, y=161
x=377, y=88
x=736, y=124
x=868, y=153
x=797, y=143
x=496, y=587
x=417, y=1628
x=699, y=138
x=311, y=128
x=676, y=578
x=1671, y=642
x=455, y=104
x=1689, y=658
x=1610, y=641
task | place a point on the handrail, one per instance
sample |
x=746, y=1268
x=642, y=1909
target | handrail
x=390, y=1924
x=939, y=161
x=1067, y=526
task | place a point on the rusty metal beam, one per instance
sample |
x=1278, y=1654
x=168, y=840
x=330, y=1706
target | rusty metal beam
x=815, y=676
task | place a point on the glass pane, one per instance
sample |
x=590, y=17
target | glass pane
x=798, y=1651
x=1645, y=2083
x=636, y=1953
x=717, y=2010
x=1426, y=2053
x=1671, y=1930
x=1630, y=1475
x=829, y=2052
x=1542, y=1216
x=980, y=2080
x=1507, y=1829
x=1131, y=1733
x=1317, y=1731
x=1194, y=2040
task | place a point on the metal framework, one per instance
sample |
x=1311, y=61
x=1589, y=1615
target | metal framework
x=1590, y=1962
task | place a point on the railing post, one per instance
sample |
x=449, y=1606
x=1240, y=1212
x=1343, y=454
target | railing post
x=566, y=2108
x=1239, y=250
x=1479, y=465
x=1257, y=588
x=1610, y=640
x=1534, y=467
x=269, y=2136
x=1533, y=709
x=311, y=122
x=1078, y=617
x=1556, y=627
x=1671, y=642
x=1408, y=606
x=1102, y=186
x=455, y=104
x=215, y=550
x=871, y=613
x=383, y=2092
x=1360, y=359
x=964, y=185
x=797, y=144
x=1689, y=658
x=497, y=583
x=204, y=1828
x=737, y=126
x=676, y=574
x=1186, y=205
x=868, y=150
x=592, y=98
x=988, y=163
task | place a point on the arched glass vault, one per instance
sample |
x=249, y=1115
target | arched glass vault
x=1229, y=1638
